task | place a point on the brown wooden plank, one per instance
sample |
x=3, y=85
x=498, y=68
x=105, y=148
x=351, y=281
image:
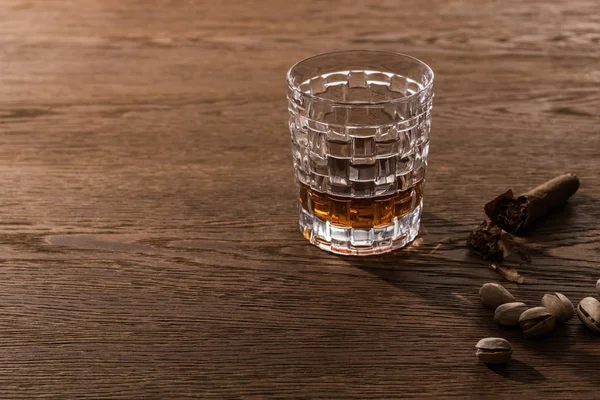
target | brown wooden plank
x=148, y=231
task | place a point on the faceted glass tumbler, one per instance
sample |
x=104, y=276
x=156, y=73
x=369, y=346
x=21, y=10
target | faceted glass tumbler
x=359, y=124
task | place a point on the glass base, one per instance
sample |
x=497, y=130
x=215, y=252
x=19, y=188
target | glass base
x=361, y=242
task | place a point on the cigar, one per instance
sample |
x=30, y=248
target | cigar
x=515, y=214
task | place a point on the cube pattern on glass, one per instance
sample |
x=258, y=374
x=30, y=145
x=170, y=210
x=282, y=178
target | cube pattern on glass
x=360, y=159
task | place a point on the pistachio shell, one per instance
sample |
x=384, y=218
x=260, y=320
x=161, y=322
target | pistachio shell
x=537, y=321
x=560, y=306
x=492, y=295
x=508, y=314
x=588, y=311
x=493, y=350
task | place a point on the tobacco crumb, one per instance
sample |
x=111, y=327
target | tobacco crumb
x=492, y=243
x=446, y=240
x=510, y=274
x=484, y=241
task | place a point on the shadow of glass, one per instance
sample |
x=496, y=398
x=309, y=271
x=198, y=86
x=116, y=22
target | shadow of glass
x=433, y=229
x=436, y=274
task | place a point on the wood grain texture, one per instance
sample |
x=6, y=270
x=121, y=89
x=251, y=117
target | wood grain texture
x=148, y=233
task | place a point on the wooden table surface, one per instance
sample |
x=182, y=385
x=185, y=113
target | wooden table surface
x=148, y=229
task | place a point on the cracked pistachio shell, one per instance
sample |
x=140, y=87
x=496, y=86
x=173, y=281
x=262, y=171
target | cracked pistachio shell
x=588, y=311
x=537, y=321
x=493, y=350
x=493, y=295
x=560, y=306
x=508, y=314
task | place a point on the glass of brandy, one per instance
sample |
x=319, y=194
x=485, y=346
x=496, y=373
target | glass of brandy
x=359, y=123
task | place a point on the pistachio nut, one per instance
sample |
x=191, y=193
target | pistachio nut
x=560, y=306
x=508, y=314
x=588, y=311
x=493, y=350
x=492, y=295
x=537, y=321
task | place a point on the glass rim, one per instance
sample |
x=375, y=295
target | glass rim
x=295, y=88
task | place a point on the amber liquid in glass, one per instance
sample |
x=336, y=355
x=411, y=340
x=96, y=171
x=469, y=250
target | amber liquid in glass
x=360, y=213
